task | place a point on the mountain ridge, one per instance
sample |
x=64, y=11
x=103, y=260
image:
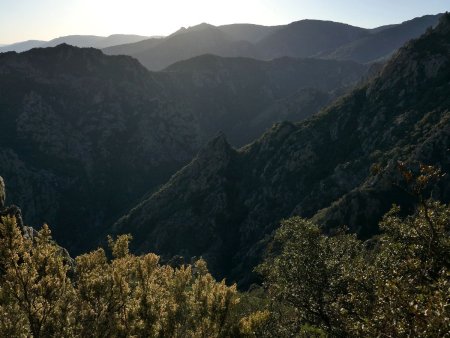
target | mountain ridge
x=304, y=38
x=382, y=44
x=75, y=40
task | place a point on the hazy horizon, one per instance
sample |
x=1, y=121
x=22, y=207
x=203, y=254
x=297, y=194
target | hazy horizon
x=22, y=20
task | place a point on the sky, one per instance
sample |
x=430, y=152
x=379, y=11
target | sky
x=47, y=19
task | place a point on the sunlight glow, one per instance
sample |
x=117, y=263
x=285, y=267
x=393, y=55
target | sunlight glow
x=47, y=19
x=150, y=17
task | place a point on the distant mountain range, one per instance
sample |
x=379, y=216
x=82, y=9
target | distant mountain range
x=225, y=204
x=21, y=46
x=83, y=136
x=74, y=40
x=306, y=38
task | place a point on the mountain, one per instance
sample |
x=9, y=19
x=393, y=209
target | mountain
x=226, y=203
x=132, y=48
x=95, y=41
x=197, y=28
x=299, y=39
x=307, y=38
x=21, y=46
x=381, y=28
x=384, y=41
x=83, y=136
x=195, y=41
x=75, y=40
x=248, y=32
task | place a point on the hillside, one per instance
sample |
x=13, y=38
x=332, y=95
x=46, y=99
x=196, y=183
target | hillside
x=132, y=48
x=242, y=97
x=21, y=46
x=307, y=38
x=248, y=32
x=225, y=204
x=195, y=41
x=384, y=42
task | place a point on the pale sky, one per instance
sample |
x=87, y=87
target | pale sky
x=47, y=19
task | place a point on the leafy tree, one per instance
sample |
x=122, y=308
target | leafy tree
x=395, y=285
x=310, y=274
x=127, y=296
x=36, y=292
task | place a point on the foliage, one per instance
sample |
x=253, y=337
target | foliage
x=395, y=285
x=43, y=294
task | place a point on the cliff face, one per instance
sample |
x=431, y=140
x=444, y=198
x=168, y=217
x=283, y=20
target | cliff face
x=226, y=202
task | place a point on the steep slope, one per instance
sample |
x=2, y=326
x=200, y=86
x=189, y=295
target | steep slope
x=84, y=136
x=384, y=42
x=307, y=38
x=226, y=202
